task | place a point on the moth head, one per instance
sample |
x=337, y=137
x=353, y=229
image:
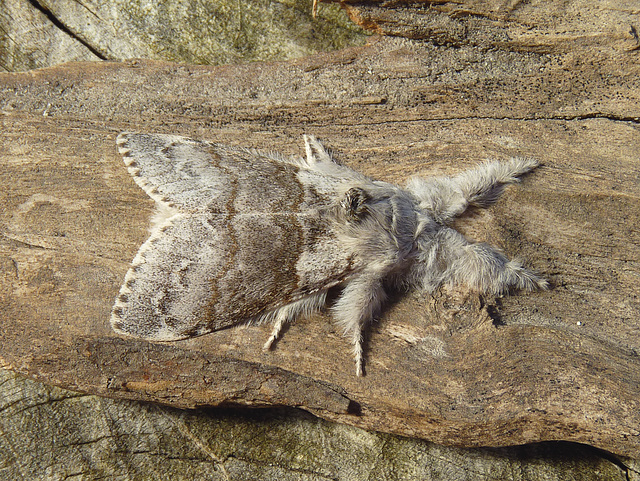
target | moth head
x=354, y=204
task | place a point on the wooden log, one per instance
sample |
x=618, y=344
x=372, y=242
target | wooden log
x=454, y=368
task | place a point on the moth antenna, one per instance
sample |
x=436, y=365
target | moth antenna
x=315, y=150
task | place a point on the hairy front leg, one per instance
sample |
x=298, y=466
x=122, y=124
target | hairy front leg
x=483, y=267
x=359, y=302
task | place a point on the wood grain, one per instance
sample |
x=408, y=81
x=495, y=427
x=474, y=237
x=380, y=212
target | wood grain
x=454, y=368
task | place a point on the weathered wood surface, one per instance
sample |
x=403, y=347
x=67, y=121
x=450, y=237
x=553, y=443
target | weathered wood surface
x=452, y=368
x=535, y=26
x=51, y=433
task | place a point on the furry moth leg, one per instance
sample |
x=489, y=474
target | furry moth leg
x=484, y=268
x=359, y=302
x=448, y=197
x=484, y=185
x=280, y=321
x=282, y=316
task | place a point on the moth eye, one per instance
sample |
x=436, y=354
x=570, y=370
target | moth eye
x=354, y=203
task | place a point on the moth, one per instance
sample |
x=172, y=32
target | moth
x=247, y=236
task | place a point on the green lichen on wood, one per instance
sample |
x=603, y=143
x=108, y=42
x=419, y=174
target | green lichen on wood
x=219, y=32
x=205, y=32
x=62, y=433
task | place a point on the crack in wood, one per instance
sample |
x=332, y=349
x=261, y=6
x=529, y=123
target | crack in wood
x=60, y=25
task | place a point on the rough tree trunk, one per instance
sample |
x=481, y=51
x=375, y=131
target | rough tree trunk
x=457, y=83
